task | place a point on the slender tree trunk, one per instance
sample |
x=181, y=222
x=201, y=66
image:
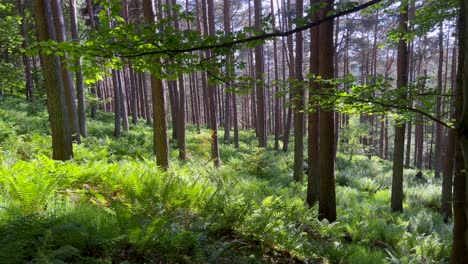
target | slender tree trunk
x=447, y=180
x=313, y=191
x=133, y=95
x=235, y=121
x=79, y=75
x=35, y=66
x=138, y=94
x=141, y=94
x=408, y=144
x=277, y=113
x=327, y=201
x=399, y=142
x=386, y=150
x=211, y=95
x=146, y=91
x=299, y=101
x=411, y=65
x=382, y=135
x=160, y=138
x=123, y=99
x=409, y=125
x=181, y=122
x=227, y=31
x=259, y=83
x=26, y=61
x=291, y=64
x=117, y=105
x=438, y=165
x=419, y=141
x=90, y=9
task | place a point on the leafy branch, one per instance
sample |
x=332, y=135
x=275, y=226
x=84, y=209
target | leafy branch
x=262, y=37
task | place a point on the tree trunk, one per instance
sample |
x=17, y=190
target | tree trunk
x=90, y=9
x=313, y=191
x=26, y=61
x=291, y=64
x=460, y=203
x=141, y=94
x=56, y=102
x=117, y=105
x=447, y=180
x=133, y=95
x=399, y=141
x=181, y=122
x=386, y=150
x=211, y=94
x=146, y=91
x=79, y=75
x=299, y=102
x=460, y=218
x=259, y=83
x=327, y=202
x=277, y=113
x=227, y=31
x=59, y=24
x=160, y=139
x=438, y=165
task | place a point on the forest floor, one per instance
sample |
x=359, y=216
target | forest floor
x=111, y=205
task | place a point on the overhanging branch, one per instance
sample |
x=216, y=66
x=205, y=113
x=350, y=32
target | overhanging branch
x=260, y=37
x=392, y=106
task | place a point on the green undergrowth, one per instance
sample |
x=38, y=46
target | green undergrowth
x=110, y=204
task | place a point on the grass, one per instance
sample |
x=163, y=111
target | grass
x=110, y=204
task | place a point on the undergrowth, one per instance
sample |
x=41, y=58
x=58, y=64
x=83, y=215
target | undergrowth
x=110, y=204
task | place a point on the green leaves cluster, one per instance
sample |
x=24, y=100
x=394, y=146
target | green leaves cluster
x=10, y=48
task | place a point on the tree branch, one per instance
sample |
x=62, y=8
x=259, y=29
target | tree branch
x=399, y=107
x=261, y=37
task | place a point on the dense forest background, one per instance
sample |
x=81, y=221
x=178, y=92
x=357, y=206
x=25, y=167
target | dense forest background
x=277, y=131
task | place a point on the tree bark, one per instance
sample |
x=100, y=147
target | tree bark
x=447, y=179
x=259, y=83
x=460, y=203
x=133, y=95
x=277, y=113
x=79, y=75
x=160, y=139
x=117, y=105
x=123, y=99
x=211, y=95
x=327, y=202
x=59, y=24
x=181, y=122
x=298, y=102
x=56, y=102
x=399, y=141
x=438, y=165
x=290, y=49
x=313, y=184
x=227, y=109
